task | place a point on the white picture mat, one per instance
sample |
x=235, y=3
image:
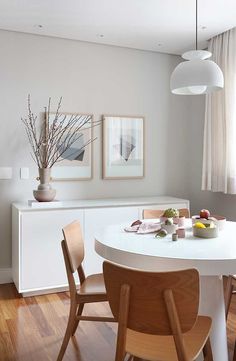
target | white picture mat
x=71, y=172
x=131, y=163
x=75, y=170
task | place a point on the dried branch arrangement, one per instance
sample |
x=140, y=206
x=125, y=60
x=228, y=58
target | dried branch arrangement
x=55, y=135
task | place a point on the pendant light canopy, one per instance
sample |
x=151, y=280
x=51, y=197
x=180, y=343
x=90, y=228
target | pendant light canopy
x=196, y=75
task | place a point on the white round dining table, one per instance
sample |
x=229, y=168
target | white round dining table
x=212, y=258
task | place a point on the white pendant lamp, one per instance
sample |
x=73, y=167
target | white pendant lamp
x=196, y=75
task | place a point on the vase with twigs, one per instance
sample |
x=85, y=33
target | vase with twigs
x=50, y=139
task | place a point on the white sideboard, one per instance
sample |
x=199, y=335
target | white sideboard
x=37, y=261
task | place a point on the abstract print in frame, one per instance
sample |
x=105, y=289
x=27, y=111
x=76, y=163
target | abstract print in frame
x=123, y=147
x=76, y=162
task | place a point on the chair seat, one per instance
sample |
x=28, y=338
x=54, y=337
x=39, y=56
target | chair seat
x=93, y=285
x=162, y=348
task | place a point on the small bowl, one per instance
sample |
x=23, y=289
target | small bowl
x=219, y=220
x=170, y=228
x=205, y=232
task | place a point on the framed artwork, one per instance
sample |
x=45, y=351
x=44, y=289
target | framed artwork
x=76, y=162
x=123, y=147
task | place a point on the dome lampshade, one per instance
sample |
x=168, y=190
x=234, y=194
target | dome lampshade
x=196, y=75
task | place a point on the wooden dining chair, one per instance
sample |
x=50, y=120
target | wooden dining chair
x=157, y=314
x=91, y=289
x=229, y=292
x=156, y=213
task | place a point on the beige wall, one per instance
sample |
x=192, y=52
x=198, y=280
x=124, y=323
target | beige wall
x=97, y=79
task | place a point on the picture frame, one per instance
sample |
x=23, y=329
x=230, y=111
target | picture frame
x=76, y=165
x=123, y=147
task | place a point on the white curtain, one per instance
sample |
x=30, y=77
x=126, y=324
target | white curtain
x=219, y=152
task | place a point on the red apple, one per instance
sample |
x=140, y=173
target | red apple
x=204, y=213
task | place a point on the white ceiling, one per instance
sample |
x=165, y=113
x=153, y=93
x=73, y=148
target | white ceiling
x=159, y=25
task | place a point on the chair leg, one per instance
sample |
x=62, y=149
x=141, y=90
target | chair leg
x=234, y=356
x=228, y=294
x=68, y=333
x=207, y=351
x=79, y=313
x=119, y=356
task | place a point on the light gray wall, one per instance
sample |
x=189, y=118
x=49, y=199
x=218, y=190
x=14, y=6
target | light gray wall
x=97, y=79
x=101, y=80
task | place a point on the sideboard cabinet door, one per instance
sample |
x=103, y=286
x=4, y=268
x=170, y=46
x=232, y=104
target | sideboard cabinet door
x=96, y=219
x=41, y=260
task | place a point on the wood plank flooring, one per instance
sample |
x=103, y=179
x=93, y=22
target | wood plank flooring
x=32, y=328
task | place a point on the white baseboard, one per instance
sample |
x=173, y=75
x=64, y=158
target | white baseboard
x=5, y=275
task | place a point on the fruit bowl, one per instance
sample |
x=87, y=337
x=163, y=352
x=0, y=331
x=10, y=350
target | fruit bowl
x=220, y=221
x=197, y=218
x=207, y=231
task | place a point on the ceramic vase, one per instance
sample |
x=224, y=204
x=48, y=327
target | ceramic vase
x=44, y=193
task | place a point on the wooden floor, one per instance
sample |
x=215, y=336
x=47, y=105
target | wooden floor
x=31, y=329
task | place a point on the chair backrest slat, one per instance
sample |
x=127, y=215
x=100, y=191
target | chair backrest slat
x=184, y=212
x=147, y=306
x=152, y=213
x=74, y=244
x=156, y=213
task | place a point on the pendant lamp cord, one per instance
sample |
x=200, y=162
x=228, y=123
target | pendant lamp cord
x=196, y=24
